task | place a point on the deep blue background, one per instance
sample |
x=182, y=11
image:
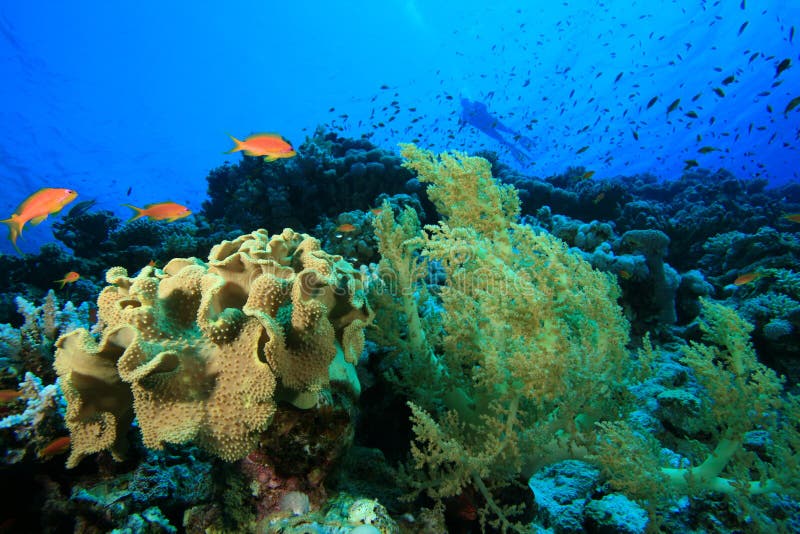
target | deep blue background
x=99, y=97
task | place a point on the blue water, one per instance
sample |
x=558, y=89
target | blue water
x=103, y=98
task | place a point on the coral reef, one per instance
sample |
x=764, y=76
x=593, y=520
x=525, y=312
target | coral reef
x=30, y=347
x=202, y=351
x=570, y=498
x=342, y=514
x=497, y=352
x=330, y=175
x=33, y=275
x=299, y=452
x=38, y=424
x=653, y=245
x=149, y=498
x=738, y=432
x=98, y=239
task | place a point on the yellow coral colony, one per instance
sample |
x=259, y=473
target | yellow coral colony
x=524, y=317
x=199, y=351
x=532, y=345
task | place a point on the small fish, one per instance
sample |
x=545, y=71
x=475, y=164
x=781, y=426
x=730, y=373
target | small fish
x=129, y=191
x=69, y=278
x=36, y=208
x=9, y=395
x=672, y=107
x=600, y=196
x=463, y=507
x=652, y=101
x=618, y=77
x=635, y=134
x=742, y=27
x=169, y=211
x=376, y=211
x=689, y=164
x=271, y=146
x=346, y=227
x=625, y=275
x=587, y=175
x=81, y=207
x=747, y=278
x=720, y=92
x=729, y=80
x=706, y=149
x=696, y=97
x=782, y=66
x=791, y=34
x=691, y=114
x=582, y=149
x=57, y=446
x=794, y=217
x=793, y=103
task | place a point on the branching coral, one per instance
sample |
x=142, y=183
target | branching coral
x=201, y=351
x=30, y=347
x=740, y=396
x=400, y=294
x=532, y=348
x=41, y=420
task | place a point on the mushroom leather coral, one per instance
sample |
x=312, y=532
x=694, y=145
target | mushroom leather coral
x=199, y=351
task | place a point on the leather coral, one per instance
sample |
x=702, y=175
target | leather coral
x=201, y=351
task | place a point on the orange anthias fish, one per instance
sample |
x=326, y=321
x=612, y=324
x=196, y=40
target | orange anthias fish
x=346, y=227
x=8, y=395
x=36, y=208
x=169, y=211
x=69, y=278
x=794, y=217
x=271, y=146
x=57, y=446
x=747, y=278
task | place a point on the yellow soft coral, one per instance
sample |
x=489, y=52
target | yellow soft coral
x=204, y=350
x=463, y=189
x=739, y=395
x=532, y=351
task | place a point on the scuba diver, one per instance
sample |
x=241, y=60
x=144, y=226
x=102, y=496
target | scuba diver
x=476, y=114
